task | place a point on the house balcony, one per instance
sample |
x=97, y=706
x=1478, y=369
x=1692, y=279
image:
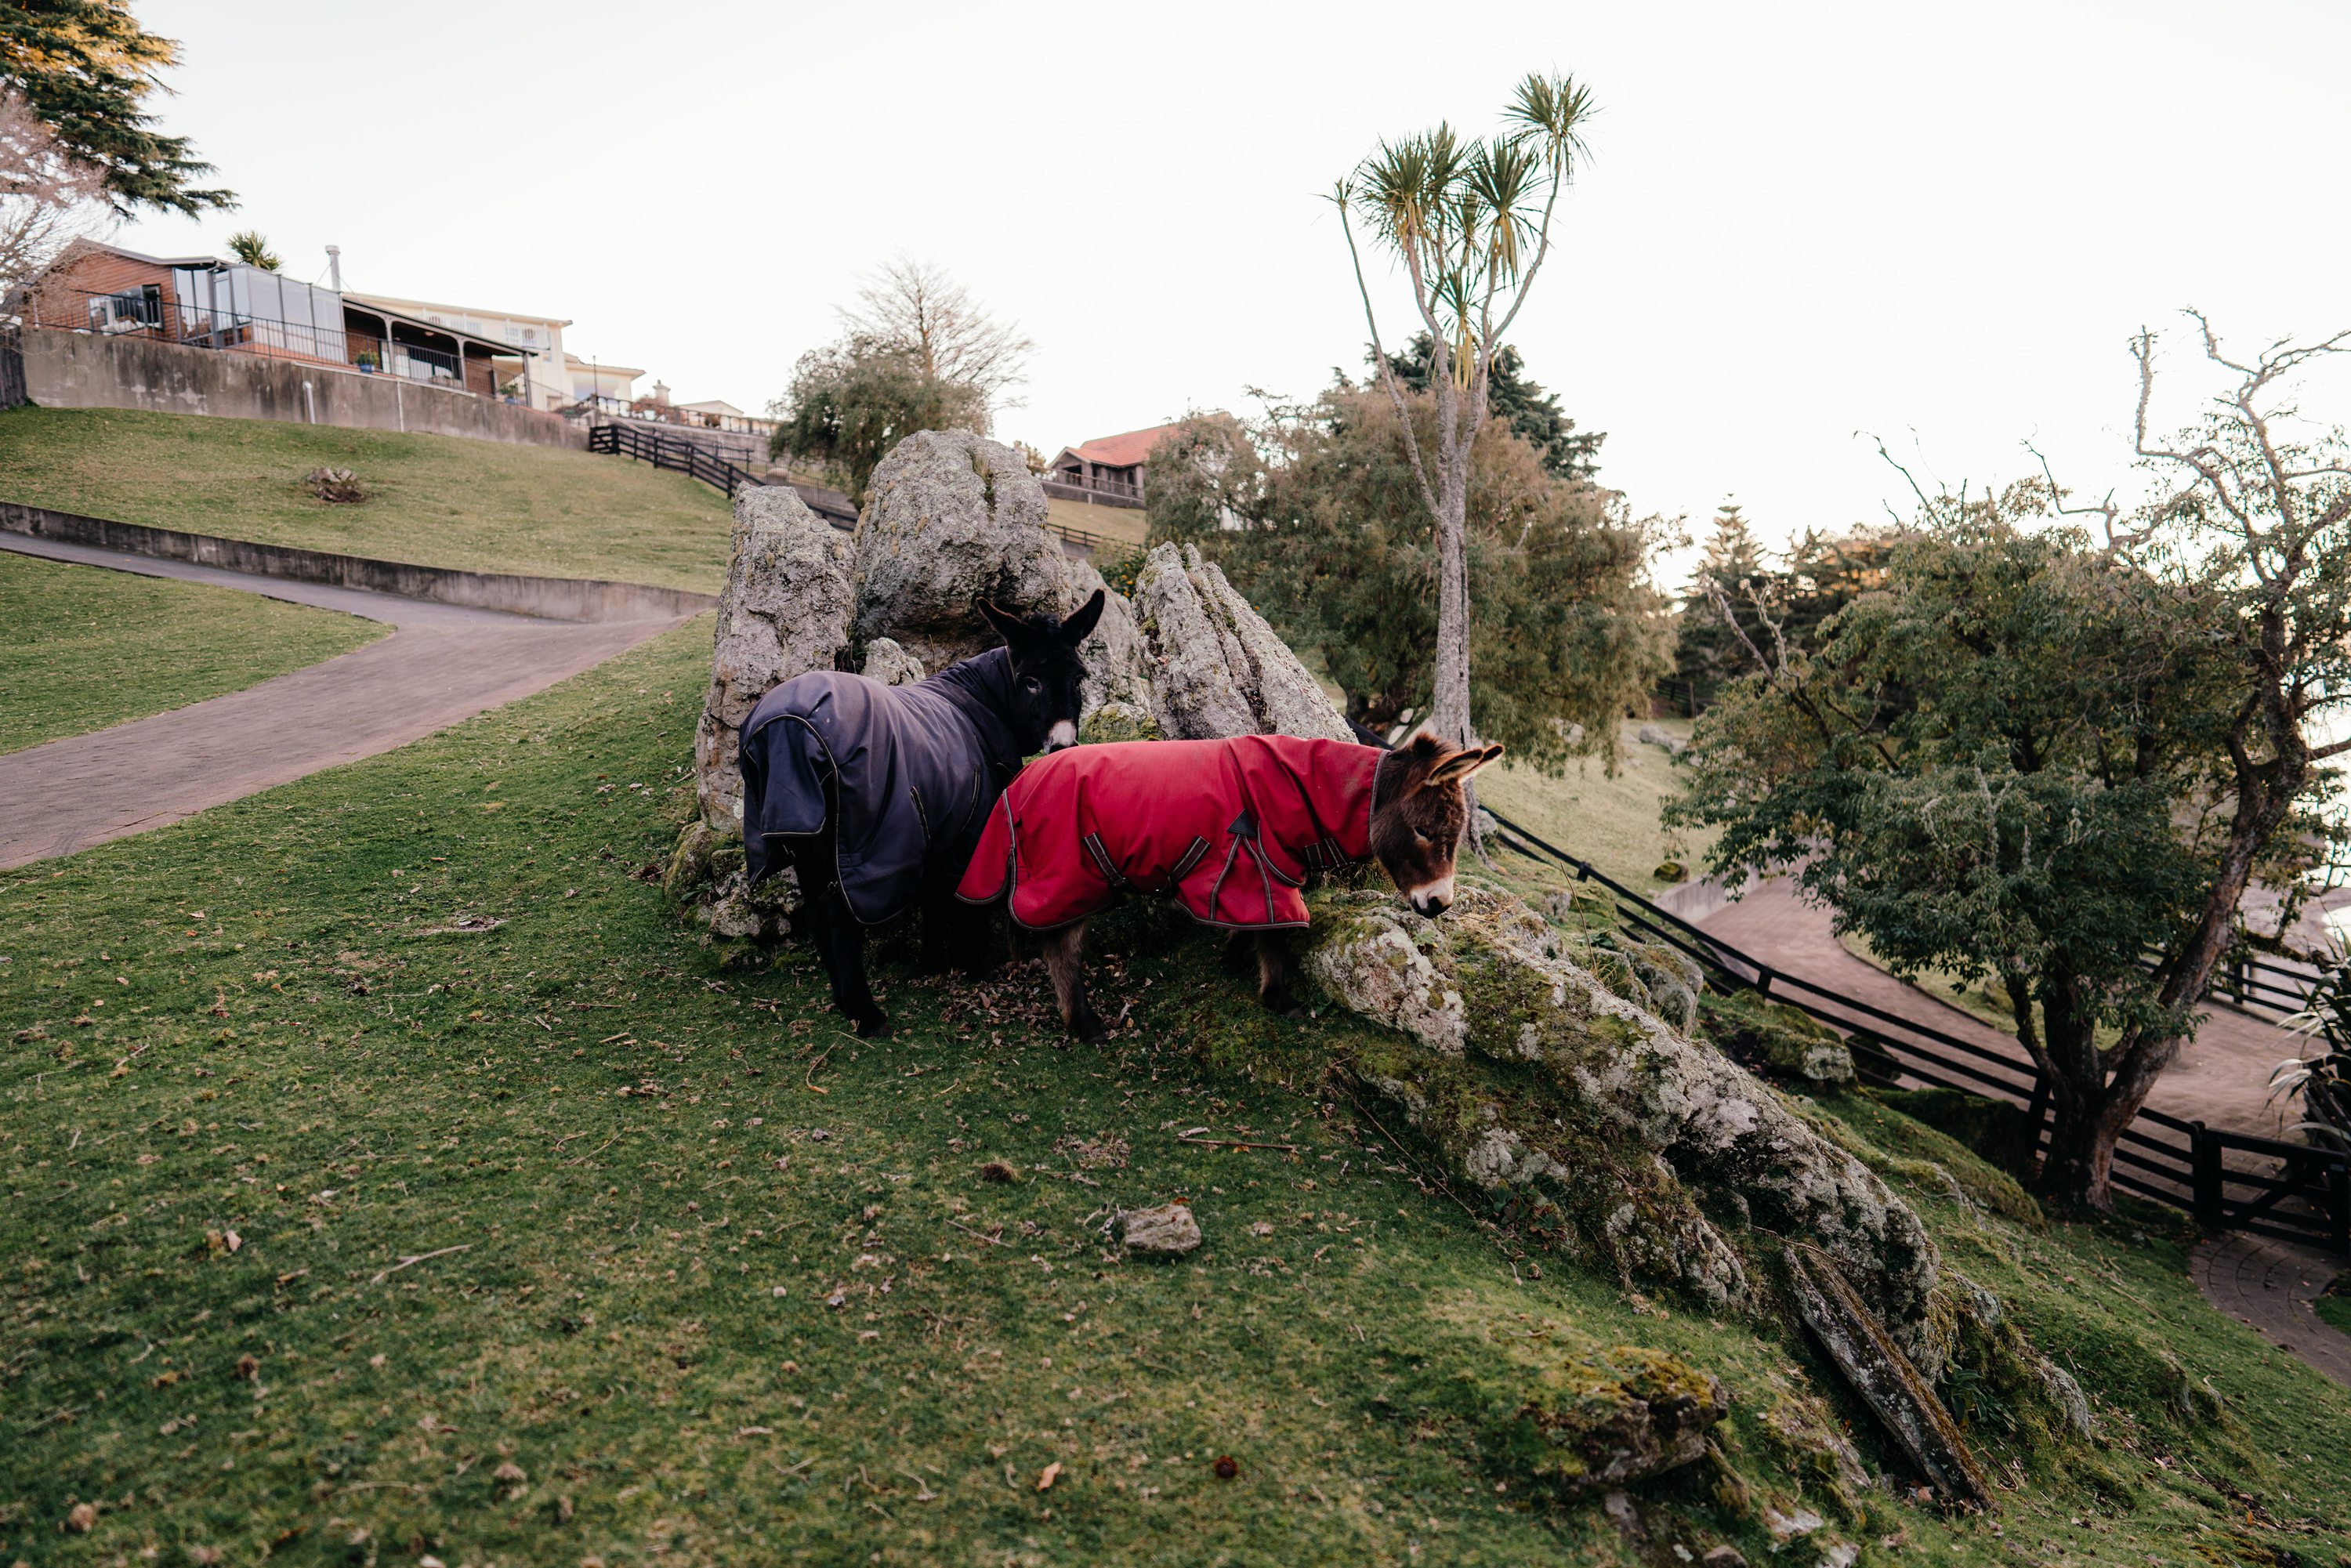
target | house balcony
x=1073, y=485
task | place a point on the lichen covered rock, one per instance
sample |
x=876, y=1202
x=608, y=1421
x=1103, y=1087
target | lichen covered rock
x=1777, y=1039
x=950, y=517
x=1492, y=982
x=1884, y=1375
x=1217, y=669
x=1620, y=1418
x=785, y=611
x=1168, y=1230
x=888, y=661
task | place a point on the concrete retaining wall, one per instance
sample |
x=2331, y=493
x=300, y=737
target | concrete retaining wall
x=85, y=370
x=1693, y=901
x=548, y=598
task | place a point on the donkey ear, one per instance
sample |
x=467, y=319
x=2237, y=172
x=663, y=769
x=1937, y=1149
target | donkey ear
x=1008, y=626
x=1461, y=764
x=1081, y=621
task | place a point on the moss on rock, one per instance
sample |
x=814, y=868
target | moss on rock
x=1494, y=981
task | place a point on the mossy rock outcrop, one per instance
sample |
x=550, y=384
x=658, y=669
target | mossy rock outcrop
x=1528, y=1072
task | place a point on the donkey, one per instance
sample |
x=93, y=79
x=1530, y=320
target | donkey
x=876, y=794
x=1229, y=829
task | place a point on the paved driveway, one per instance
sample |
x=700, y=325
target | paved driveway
x=442, y=663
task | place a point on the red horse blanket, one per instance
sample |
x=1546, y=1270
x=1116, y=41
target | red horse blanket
x=1229, y=827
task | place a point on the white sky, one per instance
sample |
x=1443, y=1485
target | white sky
x=1801, y=221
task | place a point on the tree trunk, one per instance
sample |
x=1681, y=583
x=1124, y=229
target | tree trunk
x=2118, y=1085
x=1449, y=712
x=2083, y=1127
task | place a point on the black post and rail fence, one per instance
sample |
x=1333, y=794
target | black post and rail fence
x=2305, y=1196
x=672, y=452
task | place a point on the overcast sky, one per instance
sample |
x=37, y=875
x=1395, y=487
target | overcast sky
x=1799, y=221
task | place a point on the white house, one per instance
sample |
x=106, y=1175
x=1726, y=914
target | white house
x=592, y=378
x=538, y=338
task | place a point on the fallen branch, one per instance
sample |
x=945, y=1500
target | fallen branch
x=980, y=1235
x=1234, y=1143
x=420, y=1258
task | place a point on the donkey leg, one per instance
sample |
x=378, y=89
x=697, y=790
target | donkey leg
x=1270, y=969
x=840, y=940
x=1235, y=958
x=847, y=967
x=1065, y=961
x=940, y=924
x=850, y=994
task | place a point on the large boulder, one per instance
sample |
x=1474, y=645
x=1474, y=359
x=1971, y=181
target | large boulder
x=785, y=611
x=950, y=517
x=1216, y=668
x=1642, y=1143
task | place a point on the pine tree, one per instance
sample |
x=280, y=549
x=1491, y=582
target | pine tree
x=1706, y=652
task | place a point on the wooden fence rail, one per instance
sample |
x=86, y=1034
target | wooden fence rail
x=674, y=453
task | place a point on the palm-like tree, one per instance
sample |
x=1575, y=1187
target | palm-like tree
x=1471, y=222
x=249, y=248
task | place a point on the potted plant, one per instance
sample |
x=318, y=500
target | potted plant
x=366, y=362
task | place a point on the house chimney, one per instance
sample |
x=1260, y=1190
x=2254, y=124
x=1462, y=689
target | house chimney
x=335, y=267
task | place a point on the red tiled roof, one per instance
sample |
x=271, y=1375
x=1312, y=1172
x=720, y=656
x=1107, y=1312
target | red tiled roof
x=1121, y=451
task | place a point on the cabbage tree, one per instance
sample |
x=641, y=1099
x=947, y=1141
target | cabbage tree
x=1470, y=222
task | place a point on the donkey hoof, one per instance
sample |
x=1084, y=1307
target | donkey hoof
x=875, y=1026
x=1088, y=1028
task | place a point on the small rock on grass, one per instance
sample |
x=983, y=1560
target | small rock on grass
x=1166, y=1231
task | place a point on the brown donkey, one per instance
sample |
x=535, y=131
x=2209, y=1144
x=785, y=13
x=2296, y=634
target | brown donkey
x=1229, y=829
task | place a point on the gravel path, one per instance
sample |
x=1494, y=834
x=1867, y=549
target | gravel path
x=441, y=663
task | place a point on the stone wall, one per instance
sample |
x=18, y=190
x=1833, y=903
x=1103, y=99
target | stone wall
x=85, y=370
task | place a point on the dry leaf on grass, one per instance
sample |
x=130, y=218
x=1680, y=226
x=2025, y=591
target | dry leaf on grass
x=1050, y=1474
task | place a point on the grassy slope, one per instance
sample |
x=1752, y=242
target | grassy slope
x=1116, y=522
x=82, y=648
x=660, y=1175
x=1612, y=822
x=434, y=499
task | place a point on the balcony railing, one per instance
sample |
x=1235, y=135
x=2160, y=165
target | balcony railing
x=143, y=312
x=1077, y=480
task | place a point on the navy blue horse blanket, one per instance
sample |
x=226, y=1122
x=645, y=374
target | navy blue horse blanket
x=915, y=771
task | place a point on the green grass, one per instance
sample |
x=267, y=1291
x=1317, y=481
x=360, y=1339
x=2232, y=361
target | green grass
x=437, y=500
x=725, y=1285
x=2333, y=1310
x=1610, y=821
x=84, y=647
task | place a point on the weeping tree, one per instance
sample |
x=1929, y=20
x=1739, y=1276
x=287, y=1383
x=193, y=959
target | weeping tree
x=2058, y=759
x=1470, y=223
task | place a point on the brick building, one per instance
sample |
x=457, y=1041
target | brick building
x=207, y=303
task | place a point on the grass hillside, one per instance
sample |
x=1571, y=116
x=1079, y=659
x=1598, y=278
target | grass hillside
x=438, y=500
x=84, y=648
x=1122, y=523
x=1610, y=821
x=390, y=1173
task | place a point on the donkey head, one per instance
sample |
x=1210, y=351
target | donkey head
x=1418, y=813
x=1045, y=671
